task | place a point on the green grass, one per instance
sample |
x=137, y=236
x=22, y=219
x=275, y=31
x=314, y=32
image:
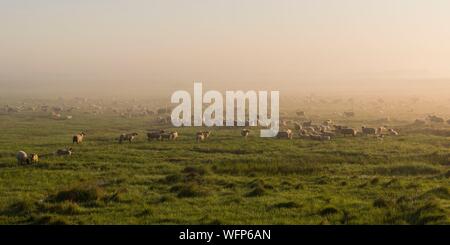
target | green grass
x=224, y=180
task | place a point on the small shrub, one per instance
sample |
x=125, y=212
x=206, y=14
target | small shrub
x=191, y=190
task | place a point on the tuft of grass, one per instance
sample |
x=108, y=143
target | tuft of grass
x=65, y=208
x=23, y=207
x=407, y=170
x=49, y=220
x=375, y=181
x=256, y=192
x=79, y=194
x=166, y=198
x=286, y=205
x=200, y=170
x=190, y=190
x=328, y=211
x=440, y=192
x=381, y=203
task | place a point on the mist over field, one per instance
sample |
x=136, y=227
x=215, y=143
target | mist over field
x=87, y=132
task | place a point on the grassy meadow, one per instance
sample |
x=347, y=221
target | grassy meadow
x=223, y=180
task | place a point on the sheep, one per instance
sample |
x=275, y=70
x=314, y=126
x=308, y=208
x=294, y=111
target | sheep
x=200, y=137
x=174, y=135
x=64, y=152
x=22, y=158
x=297, y=126
x=78, y=138
x=285, y=134
x=245, y=133
x=348, y=131
x=170, y=136
x=381, y=130
x=328, y=122
x=367, y=131
x=154, y=135
x=127, y=137
x=34, y=158
x=307, y=124
x=393, y=132
x=204, y=133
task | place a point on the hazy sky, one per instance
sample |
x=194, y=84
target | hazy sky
x=246, y=43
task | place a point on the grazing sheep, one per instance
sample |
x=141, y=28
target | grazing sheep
x=64, y=152
x=328, y=122
x=170, y=136
x=154, y=135
x=368, y=131
x=310, y=129
x=393, y=132
x=200, y=137
x=285, y=134
x=78, y=138
x=381, y=130
x=307, y=124
x=348, y=131
x=205, y=133
x=22, y=158
x=34, y=158
x=245, y=133
x=174, y=135
x=127, y=137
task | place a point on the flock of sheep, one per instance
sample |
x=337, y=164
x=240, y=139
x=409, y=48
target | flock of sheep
x=327, y=130
x=306, y=130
